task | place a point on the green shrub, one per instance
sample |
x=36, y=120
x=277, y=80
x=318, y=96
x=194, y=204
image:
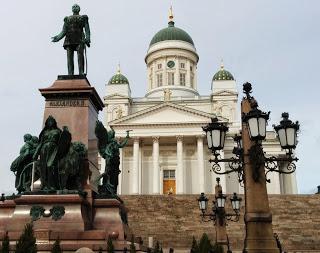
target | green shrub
x=56, y=248
x=110, y=247
x=132, y=246
x=27, y=241
x=5, y=244
x=205, y=244
x=157, y=248
x=194, y=247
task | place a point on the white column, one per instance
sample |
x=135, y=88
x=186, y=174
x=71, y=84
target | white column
x=156, y=171
x=201, y=168
x=180, y=172
x=135, y=167
x=140, y=168
x=119, y=190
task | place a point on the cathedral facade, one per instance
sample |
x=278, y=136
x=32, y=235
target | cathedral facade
x=168, y=152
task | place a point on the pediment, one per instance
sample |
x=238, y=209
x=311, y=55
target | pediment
x=224, y=93
x=166, y=113
x=115, y=96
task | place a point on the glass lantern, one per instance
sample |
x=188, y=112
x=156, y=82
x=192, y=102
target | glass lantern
x=235, y=202
x=203, y=202
x=216, y=133
x=287, y=132
x=257, y=123
x=220, y=200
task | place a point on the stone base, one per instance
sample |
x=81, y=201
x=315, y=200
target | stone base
x=81, y=225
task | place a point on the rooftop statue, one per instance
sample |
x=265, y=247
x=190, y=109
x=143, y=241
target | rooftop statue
x=75, y=38
x=108, y=148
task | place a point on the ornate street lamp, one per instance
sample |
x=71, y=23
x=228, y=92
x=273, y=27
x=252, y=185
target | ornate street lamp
x=252, y=167
x=218, y=213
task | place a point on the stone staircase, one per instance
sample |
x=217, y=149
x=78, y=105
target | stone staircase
x=174, y=219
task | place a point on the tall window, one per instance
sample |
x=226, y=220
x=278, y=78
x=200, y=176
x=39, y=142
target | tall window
x=182, y=79
x=182, y=65
x=159, y=80
x=170, y=78
x=159, y=66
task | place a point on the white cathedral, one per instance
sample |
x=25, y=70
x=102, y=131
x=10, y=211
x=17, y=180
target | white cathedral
x=168, y=152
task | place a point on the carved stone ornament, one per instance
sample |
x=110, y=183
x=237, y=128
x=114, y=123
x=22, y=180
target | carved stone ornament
x=36, y=212
x=56, y=212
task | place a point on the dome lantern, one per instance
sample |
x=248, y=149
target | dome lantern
x=118, y=78
x=222, y=74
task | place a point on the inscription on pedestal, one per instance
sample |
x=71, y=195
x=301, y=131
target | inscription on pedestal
x=67, y=103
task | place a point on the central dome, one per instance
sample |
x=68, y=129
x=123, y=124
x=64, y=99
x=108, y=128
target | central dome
x=171, y=33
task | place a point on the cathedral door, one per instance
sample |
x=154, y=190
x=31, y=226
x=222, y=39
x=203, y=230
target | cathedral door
x=169, y=182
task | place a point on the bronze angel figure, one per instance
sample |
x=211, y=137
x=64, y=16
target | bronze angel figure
x=108, y=148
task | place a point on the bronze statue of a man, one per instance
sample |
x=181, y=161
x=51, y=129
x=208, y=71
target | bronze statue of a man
x=75, y=38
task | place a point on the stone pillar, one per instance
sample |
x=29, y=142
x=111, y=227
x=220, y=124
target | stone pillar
x=74, y=103
x=135, y=167
x=221, y=229
x=259, y=236
x=201, y=168
x=180, y=172
x=156, y=172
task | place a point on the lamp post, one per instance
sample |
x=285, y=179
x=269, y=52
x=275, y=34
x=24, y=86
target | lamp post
x=252, y=167
x=218, y=214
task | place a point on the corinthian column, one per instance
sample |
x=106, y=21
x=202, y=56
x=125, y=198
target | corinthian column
x=200, y=163
x=156, y=172
x=135, y=167
x=180, y=172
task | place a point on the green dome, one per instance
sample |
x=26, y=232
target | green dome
x=222, y=75
x=171, y=33
x=118, y=79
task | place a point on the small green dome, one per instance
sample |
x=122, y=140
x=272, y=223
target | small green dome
x=171, y=33
x=118, y=79
x=222, y=75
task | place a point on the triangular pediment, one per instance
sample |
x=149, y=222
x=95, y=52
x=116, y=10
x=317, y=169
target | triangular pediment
x=166, y=113
x=115, y=96
x=224, y=93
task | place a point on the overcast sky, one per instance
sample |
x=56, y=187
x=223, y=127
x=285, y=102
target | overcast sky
x=272, y=44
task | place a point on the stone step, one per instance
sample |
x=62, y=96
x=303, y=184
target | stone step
x=174, y=219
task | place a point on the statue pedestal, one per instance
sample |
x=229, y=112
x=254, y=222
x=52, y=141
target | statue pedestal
x=75, y=104
x=81, y=225
x=75, y=217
